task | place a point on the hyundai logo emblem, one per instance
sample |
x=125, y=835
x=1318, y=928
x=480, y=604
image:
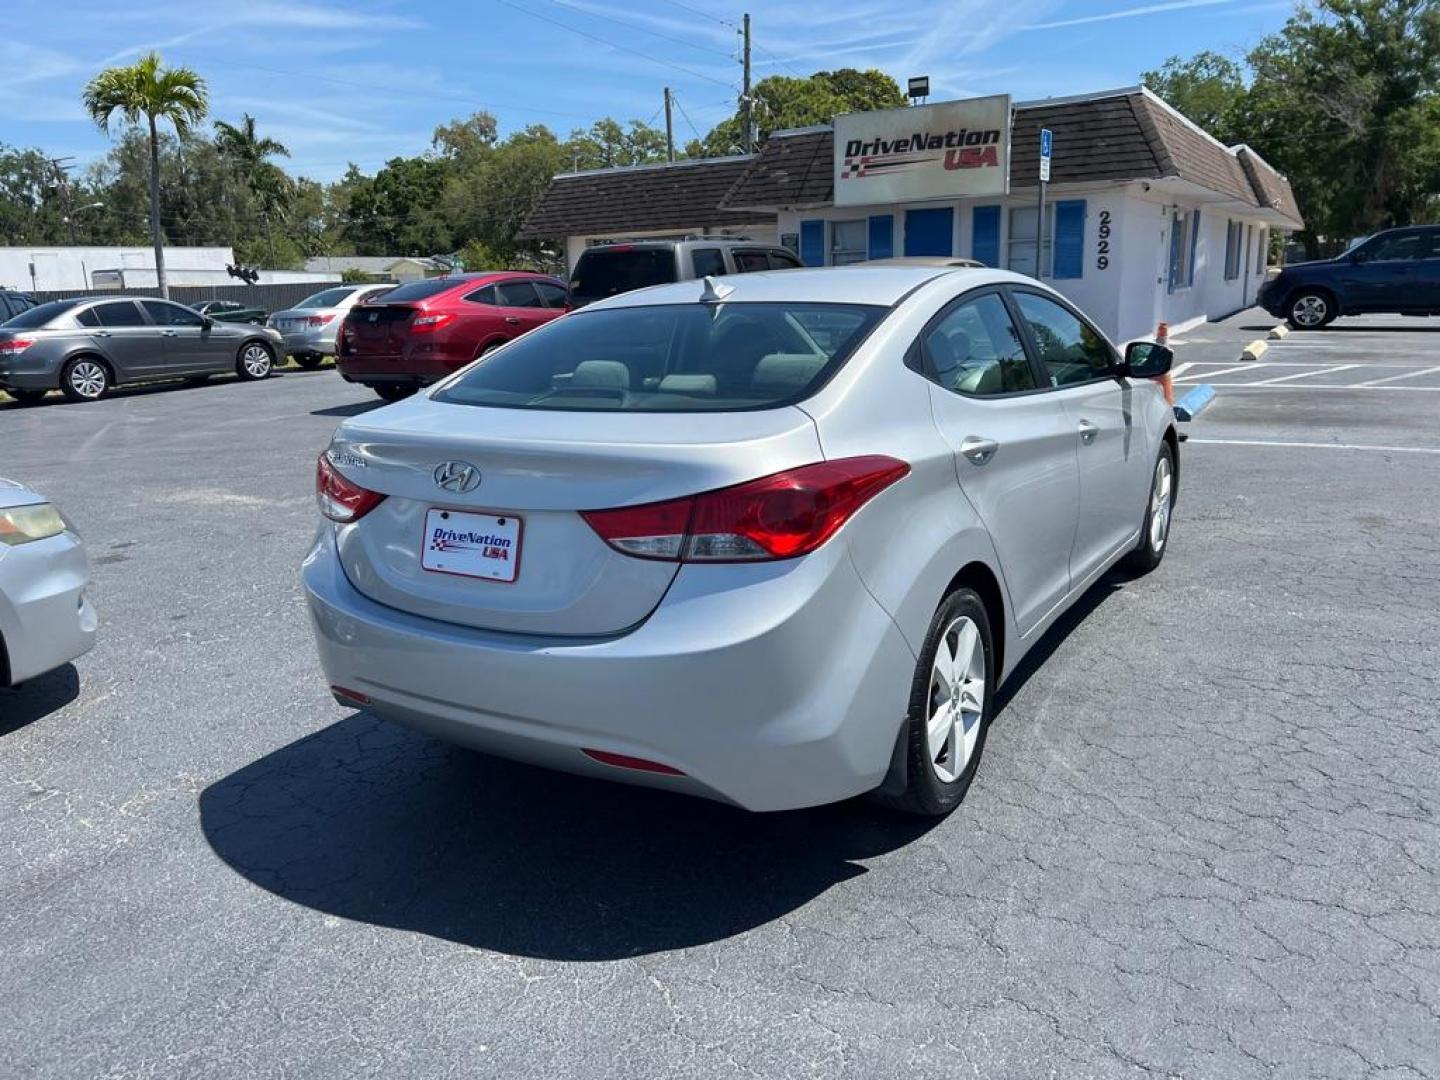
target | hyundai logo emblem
x=457, y=476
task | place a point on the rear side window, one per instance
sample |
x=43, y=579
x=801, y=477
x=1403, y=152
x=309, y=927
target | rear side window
x=1071, y=351
x=976, y=349
x=609, y=271
x=783, y=260
x=517, y=294
x=119, y=313
x=670, y=358
x=38, y=316
x=707, y=262
x=748, y=261
x=484, y=296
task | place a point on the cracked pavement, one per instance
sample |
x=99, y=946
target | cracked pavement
x=1203, y=841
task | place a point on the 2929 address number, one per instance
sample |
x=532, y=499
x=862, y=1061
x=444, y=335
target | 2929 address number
x=1102, y=246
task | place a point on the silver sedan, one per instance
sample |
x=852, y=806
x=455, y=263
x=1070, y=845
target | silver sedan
x=45, y=618
x=309, y=328
x=774, y=539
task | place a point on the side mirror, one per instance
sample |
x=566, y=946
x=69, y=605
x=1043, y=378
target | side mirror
x=209, y=323
x=1147, y=360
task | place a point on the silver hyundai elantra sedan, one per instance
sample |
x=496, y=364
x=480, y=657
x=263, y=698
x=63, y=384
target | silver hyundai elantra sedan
x=773, y=539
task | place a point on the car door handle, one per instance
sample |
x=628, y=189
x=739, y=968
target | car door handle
x=977, y=450
x=512, y=320
x=167, y=333
x=1088, y=431
x=101, y=333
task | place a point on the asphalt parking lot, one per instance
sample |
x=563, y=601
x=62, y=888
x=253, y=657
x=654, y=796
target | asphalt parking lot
x=1203, y=841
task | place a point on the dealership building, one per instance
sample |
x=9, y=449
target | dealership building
x=1147, y=218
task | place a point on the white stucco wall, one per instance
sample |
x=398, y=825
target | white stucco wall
x=1130, y=295
x=57, y=268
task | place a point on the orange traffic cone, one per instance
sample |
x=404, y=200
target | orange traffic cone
x=1167, y=384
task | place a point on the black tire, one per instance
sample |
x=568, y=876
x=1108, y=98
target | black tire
x=27, y=397
x=248, y=364
x=1311, y=309
x=85, y=378
x=394, y=391
x=1154, y=543
x=309, y=361
x=926, y=793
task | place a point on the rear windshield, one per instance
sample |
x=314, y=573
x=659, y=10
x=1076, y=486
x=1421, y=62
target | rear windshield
x=328, y=298
x=606, y=272
x=37, y=317
x=420, y=290
x=671, y=358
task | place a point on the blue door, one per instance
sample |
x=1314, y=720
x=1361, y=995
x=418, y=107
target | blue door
x=812, y=242
x=930, y=232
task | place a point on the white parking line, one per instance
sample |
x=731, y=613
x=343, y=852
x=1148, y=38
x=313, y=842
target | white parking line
x=1224, y=371
x=1303, y=386
x=1314, y=445
x=1179, y=369
x=1407, y=375
x=1305, y=374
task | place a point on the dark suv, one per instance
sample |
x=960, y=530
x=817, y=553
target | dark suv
x=609, y=269
x=13, y=303
x=1393, y=272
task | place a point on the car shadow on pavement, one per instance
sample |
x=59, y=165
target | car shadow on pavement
x=37, y=698
x=370, y=821
x=1109, y=585
x=355, y=408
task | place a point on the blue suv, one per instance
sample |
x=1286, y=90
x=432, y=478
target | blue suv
x=1393, y=272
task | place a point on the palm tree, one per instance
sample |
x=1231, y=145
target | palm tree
x=251, y=155
x=157, y=93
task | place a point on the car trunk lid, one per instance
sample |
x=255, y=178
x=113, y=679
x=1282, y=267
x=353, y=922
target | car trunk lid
x=540, y=469
x=378, y=329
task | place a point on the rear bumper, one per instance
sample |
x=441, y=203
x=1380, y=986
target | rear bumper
x=416, y=368
x=320, y=342
x=20, y=374
x=45, y=619
x=787, y=691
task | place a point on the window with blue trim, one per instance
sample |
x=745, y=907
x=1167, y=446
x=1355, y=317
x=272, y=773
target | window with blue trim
x=1069, y=239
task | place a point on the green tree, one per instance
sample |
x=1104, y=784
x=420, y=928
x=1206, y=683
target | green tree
x=34, y=199
x=607, y=143
x=1208, y=88
x=250, y=155
x=157, y=93
x=781, y=102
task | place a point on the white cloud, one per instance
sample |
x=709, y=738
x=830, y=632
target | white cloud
x=1127, y=13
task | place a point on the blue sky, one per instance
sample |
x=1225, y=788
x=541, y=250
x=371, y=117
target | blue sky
x=364, y=81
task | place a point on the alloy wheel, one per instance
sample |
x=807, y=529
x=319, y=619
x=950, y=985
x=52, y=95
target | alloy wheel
x=1160, y=504
x=957, y=699
x=88, y=379
x=1310, y=310
x=256, y=361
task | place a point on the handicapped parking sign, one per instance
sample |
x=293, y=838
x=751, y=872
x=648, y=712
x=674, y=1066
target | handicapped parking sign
x=1045, y=142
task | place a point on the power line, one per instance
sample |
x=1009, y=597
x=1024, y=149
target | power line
x=698, y=136
x=611, y=44
x=779, y=60
x=646, y=30
x=697, y=11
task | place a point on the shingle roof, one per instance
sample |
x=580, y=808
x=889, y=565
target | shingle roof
x=682, y=195
x=1128, y=135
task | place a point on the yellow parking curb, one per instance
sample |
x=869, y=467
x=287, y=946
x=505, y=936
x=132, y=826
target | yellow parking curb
x=1280, y=333
x=1254, y=350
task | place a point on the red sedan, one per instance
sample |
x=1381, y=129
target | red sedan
x=423, y=330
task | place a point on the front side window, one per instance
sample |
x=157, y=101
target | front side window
x=670, y=358
x=747, y=262
x=328, y=298
x=707, y=262
x=1071, y=350
x=976, y=349
x=119, y=313
x=1400, y=247
x=783, y=260
x=165, y=314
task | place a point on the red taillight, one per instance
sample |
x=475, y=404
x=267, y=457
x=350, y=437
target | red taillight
x=318, y=320
x=782, y=516
x=340, y=499
x=428, y=324
x=15, y=346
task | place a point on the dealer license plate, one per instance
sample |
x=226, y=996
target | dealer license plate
x=471, y=545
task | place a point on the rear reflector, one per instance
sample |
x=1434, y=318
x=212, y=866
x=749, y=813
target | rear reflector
x=781, y=516
x=349, y=697
x=340, y=499
x=625, y=761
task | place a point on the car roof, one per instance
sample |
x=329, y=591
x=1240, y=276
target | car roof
x=700, y=241
x=885, y=285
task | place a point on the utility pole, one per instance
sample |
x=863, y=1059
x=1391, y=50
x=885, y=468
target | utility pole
x=669, y=129
x=62, y=188
x=745, y=108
